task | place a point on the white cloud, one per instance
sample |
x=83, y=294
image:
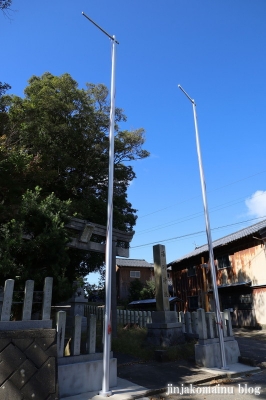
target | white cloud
x=256, y=204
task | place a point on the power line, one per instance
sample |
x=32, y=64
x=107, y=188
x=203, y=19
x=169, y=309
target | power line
x=194, y=197
x=191, y=216
x=194, y=233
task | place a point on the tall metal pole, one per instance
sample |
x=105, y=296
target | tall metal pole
x=109, y=233
x=109, y=239
x=209, y=238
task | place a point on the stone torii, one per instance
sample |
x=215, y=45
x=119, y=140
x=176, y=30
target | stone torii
x=84, y=235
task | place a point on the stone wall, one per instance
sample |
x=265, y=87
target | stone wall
x=28, y=366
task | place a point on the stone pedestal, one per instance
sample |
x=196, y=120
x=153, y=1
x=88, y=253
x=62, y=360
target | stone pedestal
x=165, y=330
x=208, y=353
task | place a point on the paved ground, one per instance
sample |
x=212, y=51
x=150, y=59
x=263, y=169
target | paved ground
x=137, y=379
x=155, y=375
x=252, y=344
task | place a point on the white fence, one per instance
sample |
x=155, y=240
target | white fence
x=76, y=334
x=26, y=322
x=124, y=317
x=198, y=323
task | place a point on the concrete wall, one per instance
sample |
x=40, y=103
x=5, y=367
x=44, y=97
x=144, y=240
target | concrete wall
x=259, y=303
x=83, y=374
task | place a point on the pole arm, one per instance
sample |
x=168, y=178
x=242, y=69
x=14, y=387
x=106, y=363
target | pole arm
x=101, y=29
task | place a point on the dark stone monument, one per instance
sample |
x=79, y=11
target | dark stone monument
x=165, y=329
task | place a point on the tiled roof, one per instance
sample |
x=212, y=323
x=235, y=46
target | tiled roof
x=250, y=230
x=127, y=262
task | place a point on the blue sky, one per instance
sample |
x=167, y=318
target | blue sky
x=215, y=50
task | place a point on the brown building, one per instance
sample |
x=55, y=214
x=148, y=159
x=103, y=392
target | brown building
x=127, y=270
x=240, y=260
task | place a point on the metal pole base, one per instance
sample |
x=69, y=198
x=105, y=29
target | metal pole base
x=105, y=394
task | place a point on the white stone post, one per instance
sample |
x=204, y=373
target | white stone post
x=202, y=324
x=124, y=317
x=144, y=319
x=188, y=322
x=91, y=334
x=227, y=317
x=7, y=302
x=224, y=325
x=61, y=330
x=137, y=317
x=76, y=339
x=140, y=319
x=182, y=320
x=194, y=322
x=28, y=298
x=128, y=316
x=210, y=316
x=149, y=320
x=47, y=298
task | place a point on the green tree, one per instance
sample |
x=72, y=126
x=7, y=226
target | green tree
x=135, y=289
x=67, y=129
x=148, y=291
x=56, y=138
x=34, y=244
x=5, y=4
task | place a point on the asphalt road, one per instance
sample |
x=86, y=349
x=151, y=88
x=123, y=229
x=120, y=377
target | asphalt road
x=252, y=345
x=248, y=387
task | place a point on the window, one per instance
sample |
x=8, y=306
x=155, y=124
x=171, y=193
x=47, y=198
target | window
x=237, y=301
x=223, y=262
x=193, y=302
x=191, y=271
x=134, y=274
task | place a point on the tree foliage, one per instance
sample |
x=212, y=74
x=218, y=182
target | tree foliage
x=148, y=291
x=135, y=288
x=56, y=138
x=139, y=291
x=66, y=129
x=5, y=4
x=34, y=244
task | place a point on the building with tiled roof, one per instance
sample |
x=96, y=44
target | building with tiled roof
x=240, y=261
x=127, y=270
